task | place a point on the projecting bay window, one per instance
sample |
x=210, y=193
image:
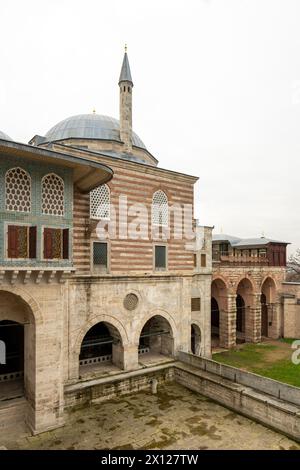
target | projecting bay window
x=100, y=257
x=21, y=242
x=160, y=258
x=55, y=243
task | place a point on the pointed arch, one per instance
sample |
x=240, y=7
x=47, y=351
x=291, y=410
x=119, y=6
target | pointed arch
x=17, y=190
x=100, y=203
x=160, y=209
x=53, y=197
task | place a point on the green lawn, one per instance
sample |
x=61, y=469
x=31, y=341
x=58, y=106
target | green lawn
x=271, y=360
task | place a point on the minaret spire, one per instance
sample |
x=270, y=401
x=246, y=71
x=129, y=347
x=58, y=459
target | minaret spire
x=126, y=85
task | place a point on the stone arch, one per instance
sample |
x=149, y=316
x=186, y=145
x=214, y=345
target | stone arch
x=245, y=301
x=219, y=311
x=268, y=299
x=247, y=280
x=98, y=319
x=221, y=278
x=16, y=313
x=156, y=337
x=269, y=289
x=27, y=299
x=246, y=289
x=153, y=313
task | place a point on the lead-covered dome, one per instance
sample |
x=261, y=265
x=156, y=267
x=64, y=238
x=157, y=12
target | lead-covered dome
x=90, y=126
x=4, y=136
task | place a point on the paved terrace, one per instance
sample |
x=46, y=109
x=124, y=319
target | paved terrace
x=175, y=418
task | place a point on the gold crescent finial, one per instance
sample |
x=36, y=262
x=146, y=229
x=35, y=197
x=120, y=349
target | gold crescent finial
x=125, y=47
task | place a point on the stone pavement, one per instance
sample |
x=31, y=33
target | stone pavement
x=175, y=418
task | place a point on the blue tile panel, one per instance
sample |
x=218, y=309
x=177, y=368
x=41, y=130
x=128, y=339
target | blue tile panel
x=35, y=217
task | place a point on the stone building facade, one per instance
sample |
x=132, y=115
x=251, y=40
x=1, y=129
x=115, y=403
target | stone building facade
x=246, y=290
x=97, y=275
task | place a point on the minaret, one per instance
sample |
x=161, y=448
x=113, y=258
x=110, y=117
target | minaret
x=126, y=85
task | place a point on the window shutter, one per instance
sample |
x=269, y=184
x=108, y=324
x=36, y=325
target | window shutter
x=12, y=241
x=32, y=242
x=48, y=252
x=65, y=243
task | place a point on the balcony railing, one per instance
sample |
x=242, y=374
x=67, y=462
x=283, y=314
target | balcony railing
x=228, y=259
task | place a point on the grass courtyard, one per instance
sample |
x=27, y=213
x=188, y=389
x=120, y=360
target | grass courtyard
x=272, y=359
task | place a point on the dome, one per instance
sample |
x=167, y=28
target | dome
x=90, y=126
x=4, y=136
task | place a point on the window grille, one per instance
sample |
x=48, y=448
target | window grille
x=52, y=195
x=160, y=257
x=131, y=301
x=17, y=190
x=160, y=209
x=196, y=304
x=100, y=203
x=100, y=254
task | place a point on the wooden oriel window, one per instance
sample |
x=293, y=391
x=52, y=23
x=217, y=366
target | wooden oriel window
x=56, y=243
x=21, y=241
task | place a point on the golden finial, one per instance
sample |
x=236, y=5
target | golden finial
x=125, y=47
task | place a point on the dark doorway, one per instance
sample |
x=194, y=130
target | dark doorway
x=12, y=334
x=240, y=318
x=215, y=318
x=96, y=343
x=264, y=315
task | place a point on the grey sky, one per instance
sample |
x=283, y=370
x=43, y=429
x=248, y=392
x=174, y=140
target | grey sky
x=217, y=92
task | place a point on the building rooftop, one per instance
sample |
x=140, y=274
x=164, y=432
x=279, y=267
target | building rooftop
x=89, y=126
x=237, y=242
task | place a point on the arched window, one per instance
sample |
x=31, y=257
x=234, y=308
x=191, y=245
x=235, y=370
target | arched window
x=160, y=209
x=53, y=199
x=17, y=190
x=100, y=203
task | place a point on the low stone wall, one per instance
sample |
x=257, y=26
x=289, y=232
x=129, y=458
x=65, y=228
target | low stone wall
x=95, y=391
x=269, y=402
x=257, y=382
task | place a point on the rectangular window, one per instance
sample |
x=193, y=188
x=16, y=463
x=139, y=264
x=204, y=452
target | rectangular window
x=203, y=261
x=195, y=304
x=160, y=257
x=21, y=242
x=56, y=243
x=100, y=255
x=195, y=260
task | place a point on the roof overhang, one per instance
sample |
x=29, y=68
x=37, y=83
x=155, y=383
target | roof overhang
x=87, y=174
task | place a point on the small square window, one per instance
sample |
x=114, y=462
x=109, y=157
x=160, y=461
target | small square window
x=195, y=304
x=100, y=254
x=160, y=257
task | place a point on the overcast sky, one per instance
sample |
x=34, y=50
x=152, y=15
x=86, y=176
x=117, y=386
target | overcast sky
x=217, y=92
